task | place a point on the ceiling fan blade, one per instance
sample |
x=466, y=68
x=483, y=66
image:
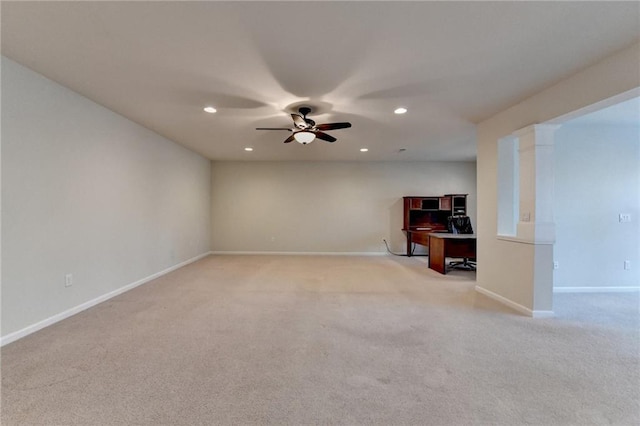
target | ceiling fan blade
x=299, y=121
x=333, y=126
x=289, y=139
x=274, y=128
x=325, y=137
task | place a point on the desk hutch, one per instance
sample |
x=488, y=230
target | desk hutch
x=426, y=214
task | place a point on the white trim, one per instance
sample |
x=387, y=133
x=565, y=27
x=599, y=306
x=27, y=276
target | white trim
x=513, y=305
x=521, y=240
x=613, y=100
x=537, y=128
x=543, y=314
x=12, y=337
x=595, y=289
x=302, y=253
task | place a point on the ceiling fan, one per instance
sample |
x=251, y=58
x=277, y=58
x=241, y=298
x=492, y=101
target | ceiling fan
x=306, y=130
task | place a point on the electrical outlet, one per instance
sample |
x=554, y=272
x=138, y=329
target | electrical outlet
x=627, y=265
x=68, y=280
x=556, y=264
x=624, y=217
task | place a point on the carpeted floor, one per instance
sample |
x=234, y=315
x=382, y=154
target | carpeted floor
x=298, y=340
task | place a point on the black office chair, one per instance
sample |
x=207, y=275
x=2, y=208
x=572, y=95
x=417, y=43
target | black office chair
x=460, y=224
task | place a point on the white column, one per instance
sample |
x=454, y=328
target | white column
x=535, y=224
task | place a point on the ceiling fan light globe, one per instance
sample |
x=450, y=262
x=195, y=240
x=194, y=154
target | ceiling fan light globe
x=304, y=137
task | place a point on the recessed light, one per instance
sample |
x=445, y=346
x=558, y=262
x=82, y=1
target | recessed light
x=364, y=149
x=210, y=109
x=400, y=110
x=248, y=149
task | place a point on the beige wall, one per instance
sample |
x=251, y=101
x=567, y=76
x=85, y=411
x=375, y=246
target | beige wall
x=324, y=206
x=506, y=268
x=89, y=193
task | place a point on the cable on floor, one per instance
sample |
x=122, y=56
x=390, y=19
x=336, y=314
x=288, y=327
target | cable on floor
x=413, y=247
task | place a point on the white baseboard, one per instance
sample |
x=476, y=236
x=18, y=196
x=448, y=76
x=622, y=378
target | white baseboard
x=543, y=314
x=595, y=289
x=12, y=337
x=303, y=253
x=513, y=305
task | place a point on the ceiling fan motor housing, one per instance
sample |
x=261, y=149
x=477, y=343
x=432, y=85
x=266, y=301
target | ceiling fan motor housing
x=304, y=111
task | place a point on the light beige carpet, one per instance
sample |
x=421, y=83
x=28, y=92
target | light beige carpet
x=238, y=340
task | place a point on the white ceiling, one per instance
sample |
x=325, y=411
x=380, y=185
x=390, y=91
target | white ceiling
x=451, y=64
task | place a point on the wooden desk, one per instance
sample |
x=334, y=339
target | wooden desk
x=443, y=245
x=417, y=237
x=426, y=214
